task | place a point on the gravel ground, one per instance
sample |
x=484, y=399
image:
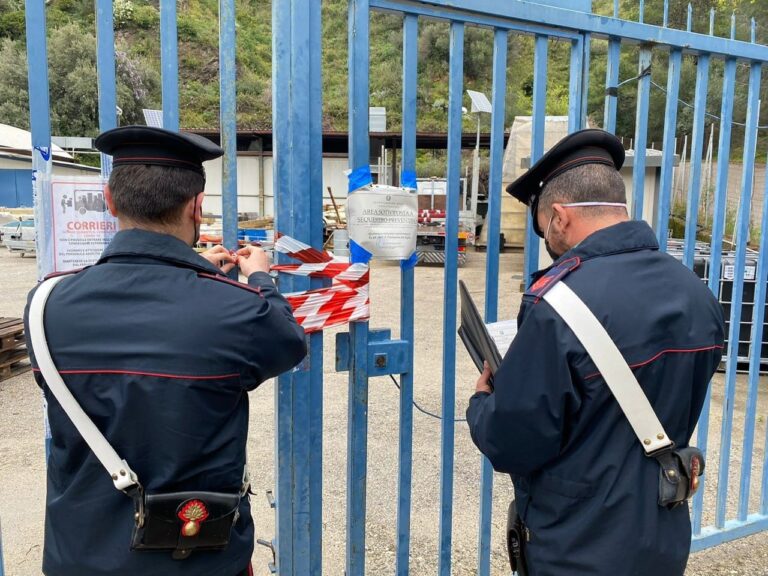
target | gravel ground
x=22, y=467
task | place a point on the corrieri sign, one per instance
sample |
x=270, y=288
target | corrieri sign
x=81, y=225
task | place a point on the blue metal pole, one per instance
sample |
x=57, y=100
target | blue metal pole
x=298, y=171
x=315, y=203
x=281, y=124
x=169, y=63
x=228, y=122
x=105, y=61
x=641, y=133
x=105, y=65
x=455, y=95
x=756, y=347
x=611, y=82
x=500, y=41
x=537, y=142
x=742, y=236
x=575, y=85
x=586, y=48
x=357, y=426
x=716, y=250
x=694, y=189
x=40, y=127
x=668, y=159
x=2, y=563
x=410, y=83
x=666, y=13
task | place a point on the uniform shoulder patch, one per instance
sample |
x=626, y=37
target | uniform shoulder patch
x=65, y=273
x=225, y=280
x=552, y=277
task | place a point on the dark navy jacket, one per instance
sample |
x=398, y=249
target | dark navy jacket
x=160, y=350
x=582, y=482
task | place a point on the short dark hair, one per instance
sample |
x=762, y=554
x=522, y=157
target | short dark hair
x=586, y=183
x=154, y=194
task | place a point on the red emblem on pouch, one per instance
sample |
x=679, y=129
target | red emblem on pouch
x=192, y=514
x=695, y=473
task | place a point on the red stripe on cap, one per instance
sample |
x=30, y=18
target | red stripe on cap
x=153, y=159
x=578, y=162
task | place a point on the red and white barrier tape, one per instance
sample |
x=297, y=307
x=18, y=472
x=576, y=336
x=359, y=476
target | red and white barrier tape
x=345, y=301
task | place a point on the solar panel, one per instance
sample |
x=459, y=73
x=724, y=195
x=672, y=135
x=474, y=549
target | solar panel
x=153, y=117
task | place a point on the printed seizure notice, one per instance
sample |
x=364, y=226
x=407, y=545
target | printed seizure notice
x=82, y=225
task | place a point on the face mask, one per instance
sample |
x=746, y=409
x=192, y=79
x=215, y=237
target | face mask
x=552, y=254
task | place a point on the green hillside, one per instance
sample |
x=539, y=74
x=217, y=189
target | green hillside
x=73, y=69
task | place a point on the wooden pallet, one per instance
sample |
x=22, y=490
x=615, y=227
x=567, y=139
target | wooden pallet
x=11, y=333
x=14, y=359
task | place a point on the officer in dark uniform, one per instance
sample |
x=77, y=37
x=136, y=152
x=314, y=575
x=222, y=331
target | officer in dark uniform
x=160, y=349
x=584, y=488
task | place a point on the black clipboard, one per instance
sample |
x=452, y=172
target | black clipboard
x=474, y=333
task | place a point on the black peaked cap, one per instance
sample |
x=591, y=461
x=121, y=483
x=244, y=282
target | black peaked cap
x=148, y=145
x=590, y=146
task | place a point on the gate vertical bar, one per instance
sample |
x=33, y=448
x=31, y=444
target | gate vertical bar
x=611, y=84
x=498, y=103
x=742, y=236
x=228, y=122
x=641, y=131
x=405, y=469
x=576, y=84
x=281, y=125
x=668, y=155
x=298, y=171
x=694, y=189
x=716, y=250
x=105, y=69
x=357, y=431
x=105, y=64
x=40, y=127
x=2, y=563
x=586, y=61
x=169, y=63
x=315, y=203
x=756, y=346
x=455, y=95
x=537, y=142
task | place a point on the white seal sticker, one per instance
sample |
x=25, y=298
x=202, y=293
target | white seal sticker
x=383, y=220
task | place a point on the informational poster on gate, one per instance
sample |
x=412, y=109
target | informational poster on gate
x=81, y=223
x=382, y=220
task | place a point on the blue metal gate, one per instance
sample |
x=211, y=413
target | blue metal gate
x=297, y=125
x=580, y=28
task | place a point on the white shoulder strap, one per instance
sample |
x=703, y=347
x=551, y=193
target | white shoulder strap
x=122, y=475
x=614, y=369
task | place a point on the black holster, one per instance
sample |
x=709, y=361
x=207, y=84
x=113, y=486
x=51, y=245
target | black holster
x=182, y=522
x=517, y=536
x=679, y=475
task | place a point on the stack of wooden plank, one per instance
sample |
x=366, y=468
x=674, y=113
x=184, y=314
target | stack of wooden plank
x=14, y=358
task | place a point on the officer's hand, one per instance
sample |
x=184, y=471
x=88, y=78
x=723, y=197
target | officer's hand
x=221, y=258
x=483, y=383
x=252, y=259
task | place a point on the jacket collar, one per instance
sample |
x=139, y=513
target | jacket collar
x=164, y=247
x=629, y=236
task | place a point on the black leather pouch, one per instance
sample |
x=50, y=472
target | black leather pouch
x=182, y=522
x=679, y=475
x=517, y=536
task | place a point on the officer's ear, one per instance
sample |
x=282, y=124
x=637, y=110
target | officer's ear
x=561, y=216
x=110, y=200
x=199, y=208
